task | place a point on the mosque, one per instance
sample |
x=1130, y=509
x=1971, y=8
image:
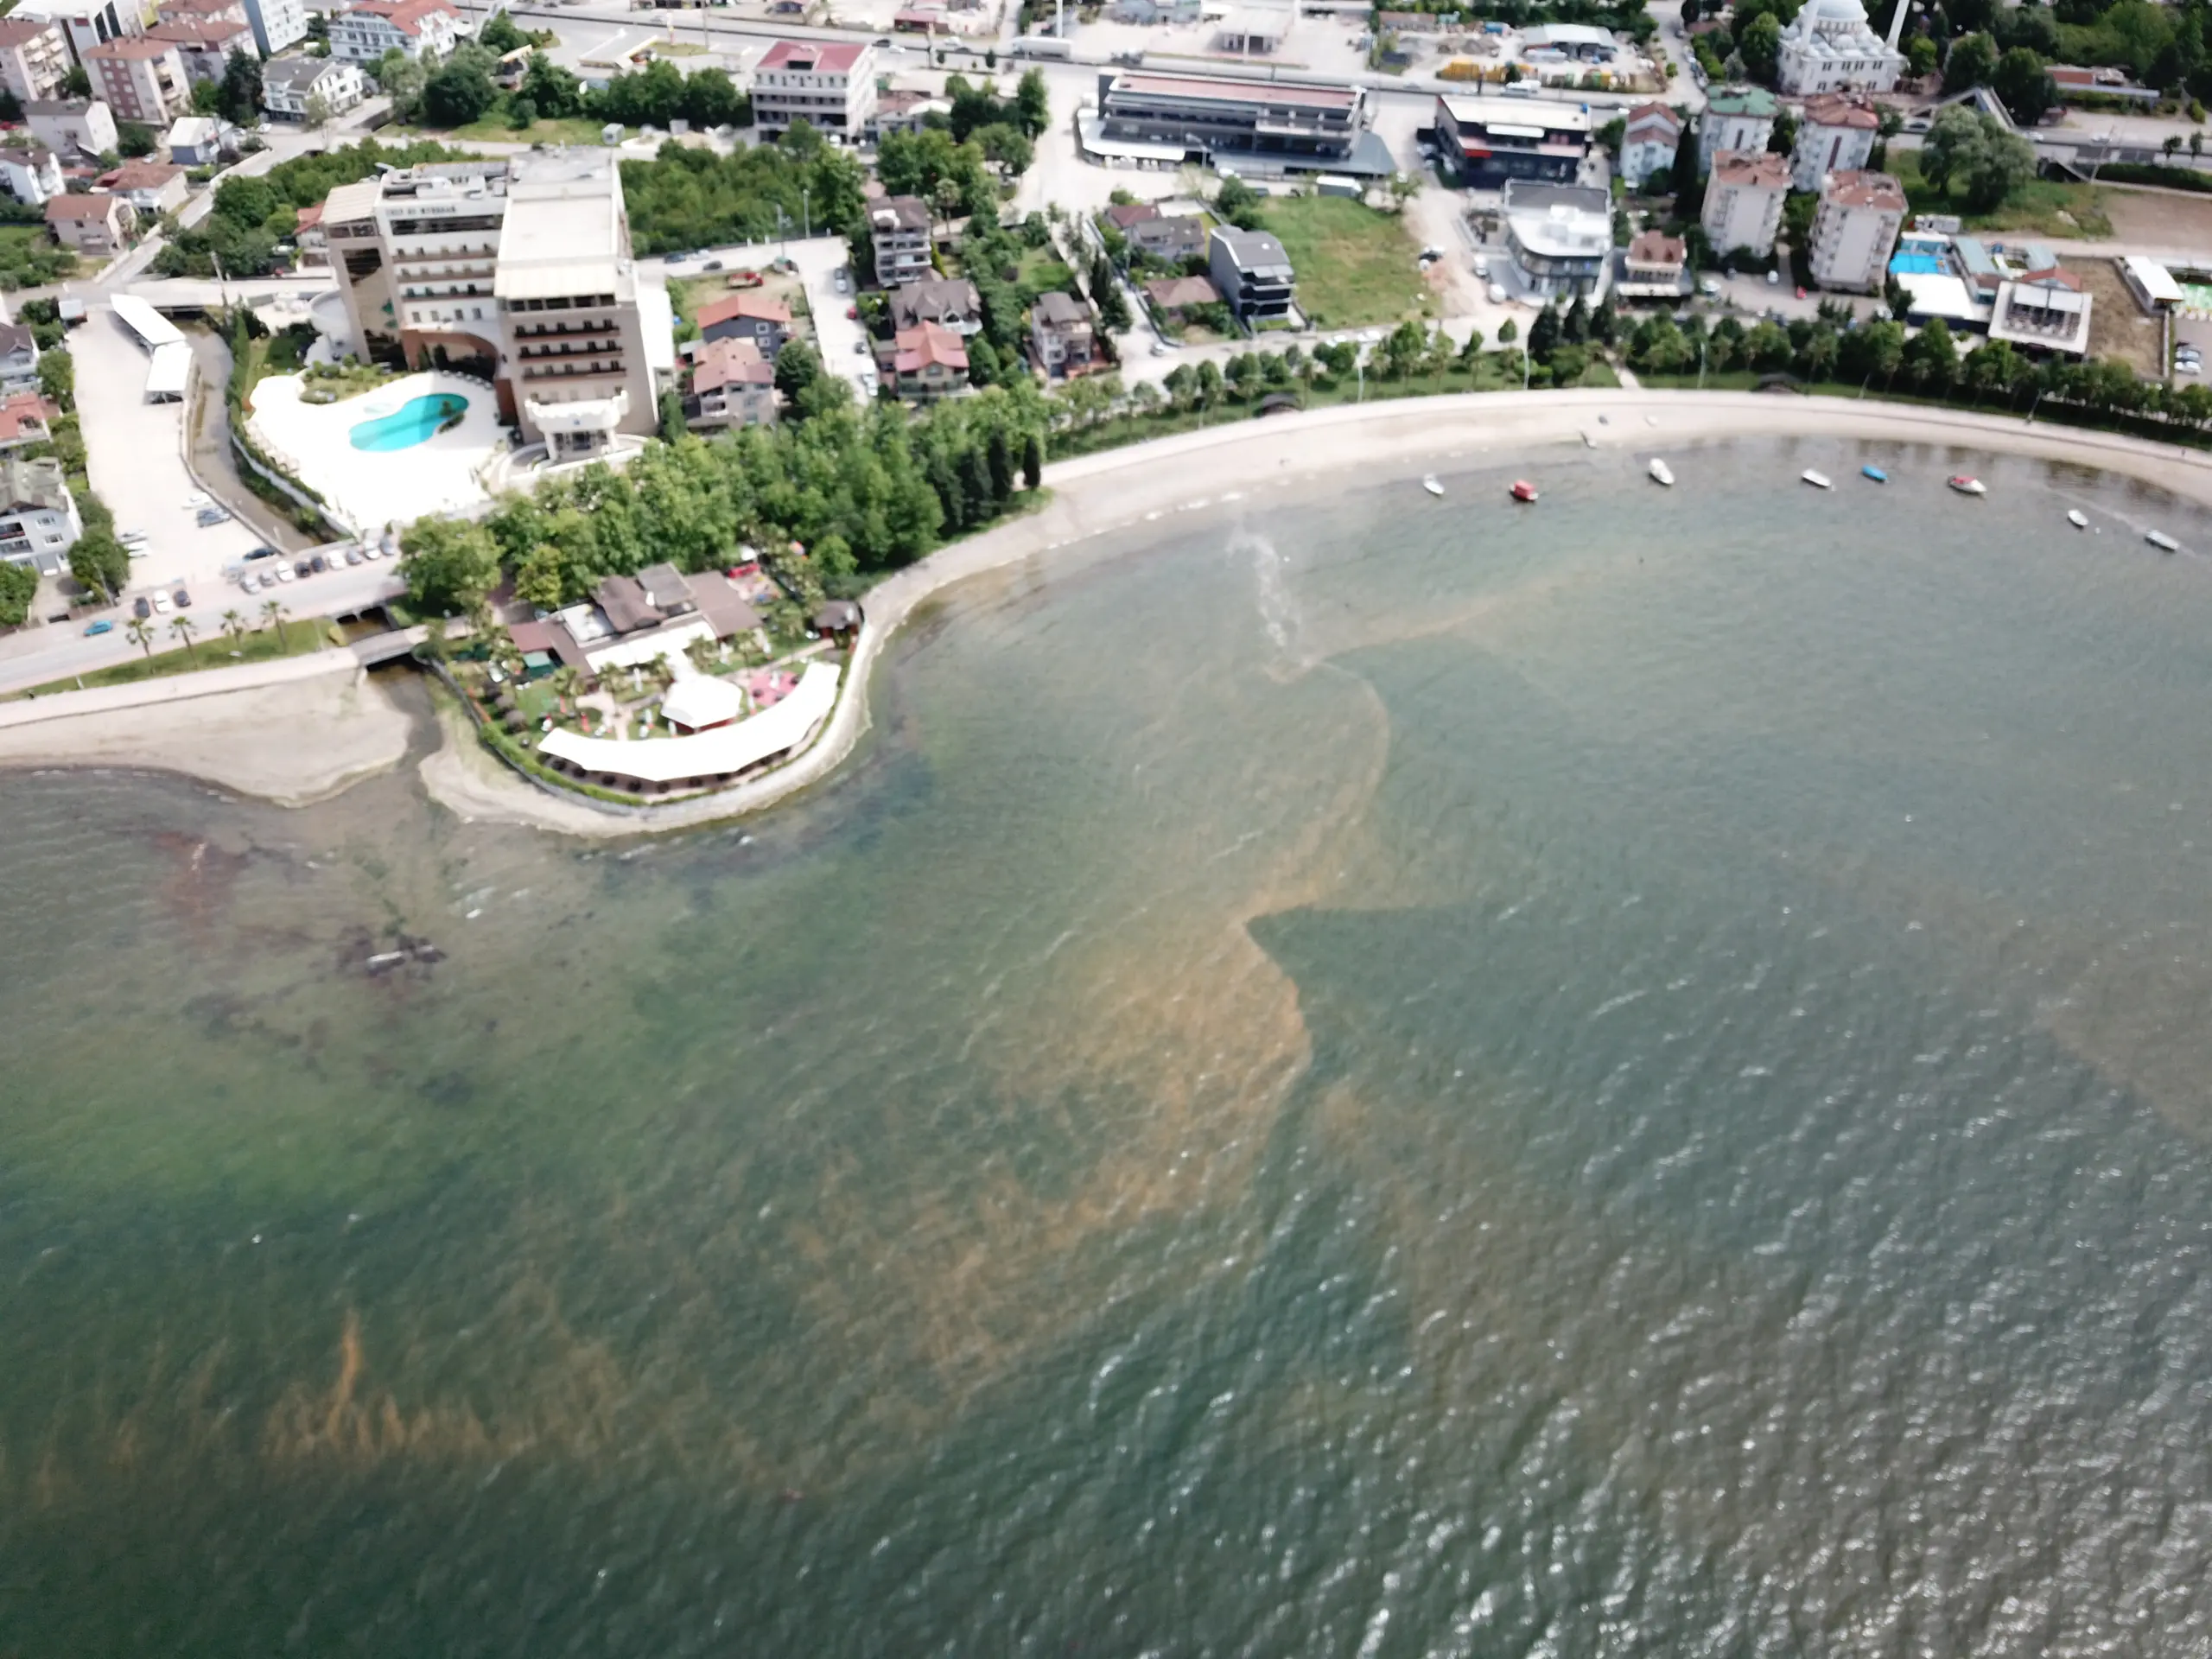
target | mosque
x=1828, y=47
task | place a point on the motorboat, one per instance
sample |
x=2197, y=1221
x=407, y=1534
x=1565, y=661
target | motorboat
x=1661, y=473
x=1818, y=481
x=1428, y=482
x=2164, y=542
x=2076, y=517
x=1874, y=473
x=1966, y=486
x=1523, y=490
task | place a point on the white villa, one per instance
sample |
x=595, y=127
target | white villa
x=1828, y=48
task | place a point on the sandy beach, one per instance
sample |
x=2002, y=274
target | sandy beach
x=238, y=745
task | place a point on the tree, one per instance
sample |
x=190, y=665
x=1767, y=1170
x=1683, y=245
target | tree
x=1403, y=188
x=458, y=93
x=1033, y=463
x=1239, y=203
x=99, y=563
x=1897, y=297
x=1920, y=54
x=450, y=564
x=1106, y=292
x=1954, y=147
x=1760, y=46
x=1032, y=103
x=140, y=632
x=57, y=379
x=554, y=92
x=234, y=625
x=18, y=586
x=798, y=368
x=182, y=628
x=402, y=80
x=237, y=96
x=1543, y=334
x=1508, y=332
x=1688, y=183
x=1005, y=146
x=272, y=616
x=711, y=100
x=1930, y=358
x=318, y=113
x=499, y=33
x=1971, y=61
x=2025, y=85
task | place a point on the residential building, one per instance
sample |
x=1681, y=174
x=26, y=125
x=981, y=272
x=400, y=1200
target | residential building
x=2045, y=310
x=1261, y=125
x=752, y=316
x=1855, y=231
x=829, y=85
x=630, y=620
x=1559, y=238
x=898, y=226
x=1060, y=336
x=1649, y=137
x=1493, y=139
x=1828, y=47
x=85, y=23
x=1835, y=134
x=34, y=58
x=19, y=356
x=1171, y=295
x=289, y=85
x=72, y=127
x=204, y=11
x=31, y=176
x=363, y=32
x=205, y=45
x=141, y=80
x=1154, y=12
x=1253, y=273
x=152, y=188
x=1735, y=117
x=309, y=240
x=903, y=109
x=928, y=362
x=1169, y=238
x=521, y=268
x=38, y=516
x=279, y=23
x=949, y=303
x=25, y=418
x=98, y=226
x=1743, y=200
x=2073, y=80
x=196, y=141
x=732, y=384
x=1654, y=266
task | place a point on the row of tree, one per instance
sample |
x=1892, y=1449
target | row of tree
x=462, y=88
x=687, y=197
x=863, y=491
x=251, y=214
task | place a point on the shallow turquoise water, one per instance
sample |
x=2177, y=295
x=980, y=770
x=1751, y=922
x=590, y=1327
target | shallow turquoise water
x=1361, y=1077
x=412, y=423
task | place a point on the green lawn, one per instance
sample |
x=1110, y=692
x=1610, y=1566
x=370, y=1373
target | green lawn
x=494, y=130
x=2036, y=205
x=212, y=648
x=1354, y=264
x=28, y=257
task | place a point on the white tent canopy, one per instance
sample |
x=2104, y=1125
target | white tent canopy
x=725, y=750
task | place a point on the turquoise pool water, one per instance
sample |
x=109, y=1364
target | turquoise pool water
x=1925, y=264
x=411, y=423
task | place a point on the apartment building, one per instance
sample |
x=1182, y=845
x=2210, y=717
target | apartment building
x=277, y=23
x=34, y=58
x=1743, y=200
x=141, y=80
x=364, y=33
x=831, y=84
x=1252, y=272
x=30, y=174
x=1735, y=117
x=73, y=127
x=38, y=516
x=1835, y=134
x=1856, y=230
x=98, y=225
x=520, y=270
x=899, y=229
x=205, y=43
x=1493, y=139
x=203, y=11
x=290, y=84
x=84, y=23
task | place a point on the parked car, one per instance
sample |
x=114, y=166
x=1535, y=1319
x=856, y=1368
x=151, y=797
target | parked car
x=250, y=583
x=208, y=516
x=712, y=264
x=843, y=282
x=370, y=550
x=1161, y=348
x=261, y=553
x=352, y=555
x=858, y=347
x=1496, y=293
x=852, y=312
x=101, y=626
x=142, y=607
x=321, y=563
x=284, y=573
x=1774, y=279
x=161, y=605
x=2189, y=366
x=1709, y=286
x=131, y=537
x=184, y=600
x=303, y=569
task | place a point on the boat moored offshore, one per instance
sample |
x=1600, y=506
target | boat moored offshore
x=2164, y=542
x=1967, y=486
x=1818, y=481
x=1661, y=472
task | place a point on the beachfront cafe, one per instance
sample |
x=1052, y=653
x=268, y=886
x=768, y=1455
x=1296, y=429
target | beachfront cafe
x=724, y=751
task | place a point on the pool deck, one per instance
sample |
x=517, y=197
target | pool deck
x=373, y=487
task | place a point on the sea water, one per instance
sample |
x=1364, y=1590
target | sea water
x=1366, y=1076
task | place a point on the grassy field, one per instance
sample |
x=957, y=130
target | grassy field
x=1355, y=265
x=2044, y=206
x=28, y=257
x=568, y=129
x=211, y=648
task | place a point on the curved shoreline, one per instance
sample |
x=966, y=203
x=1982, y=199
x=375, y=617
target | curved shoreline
x=1095, y=495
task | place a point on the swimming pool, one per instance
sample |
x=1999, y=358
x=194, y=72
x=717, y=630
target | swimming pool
x=411, y=423
x=1916, y=264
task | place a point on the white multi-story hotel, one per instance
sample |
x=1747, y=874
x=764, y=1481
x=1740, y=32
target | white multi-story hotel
x=1856, y=230
x=831, y=84
x=521, y=268
x=1743, y=200
x=1835, y=134
x=1828, y=48
x=364, y=33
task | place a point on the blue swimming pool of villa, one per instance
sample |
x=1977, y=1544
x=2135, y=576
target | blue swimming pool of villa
x=412, y=424
x=1919, y=265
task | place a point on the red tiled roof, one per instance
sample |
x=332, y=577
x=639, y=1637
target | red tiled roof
x=22, y=31
x=62, y=207
x=311, y=217
x=758, y=306
x=1865, y=190
x=929, y=345
x=130, y=46
x=1655, y=248
x=140, y=175
x=731, y=362
x=26, y=407
x=198, y=31
x=405, y=16
x=1759, y=169
x=815, y=57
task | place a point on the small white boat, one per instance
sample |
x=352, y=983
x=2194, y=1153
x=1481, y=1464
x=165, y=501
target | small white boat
x=2164, y=542
x=1428, y=482
x=1966, y=486
x=1818, y=481
x=1661, y=472
x=2076, y=517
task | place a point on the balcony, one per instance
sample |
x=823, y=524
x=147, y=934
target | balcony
x=596, y=368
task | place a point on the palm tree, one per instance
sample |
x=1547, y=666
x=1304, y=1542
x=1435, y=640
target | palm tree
x=140, y=635
x=272, y=616
x=234, y=625
x=182, y=628
x=567, y=685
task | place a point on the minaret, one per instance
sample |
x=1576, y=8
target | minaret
x=1897, y=23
